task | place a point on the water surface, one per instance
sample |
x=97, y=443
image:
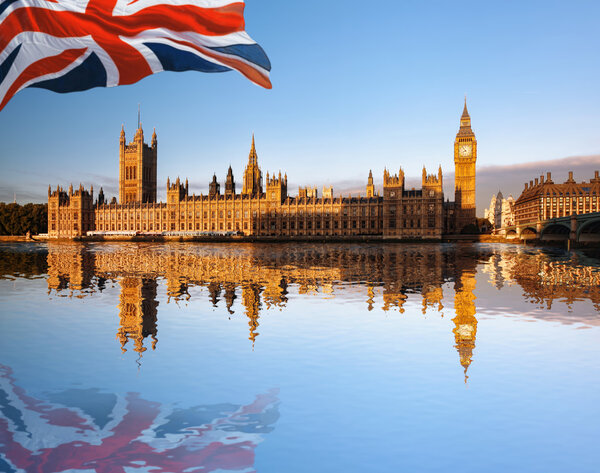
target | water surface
x=298, y=357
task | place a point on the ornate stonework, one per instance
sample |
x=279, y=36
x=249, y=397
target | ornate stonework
x=399, y=213
x=465, y=157
x=137, y=168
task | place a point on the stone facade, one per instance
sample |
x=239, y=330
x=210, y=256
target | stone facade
x=465, y=157
x=399, y=213
x=137, y=168
x=543, y=199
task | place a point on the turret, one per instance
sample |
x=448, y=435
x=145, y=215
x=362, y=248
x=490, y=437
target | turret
x=370, y=185
x=396, y=180
x=175, y=191
x=214, y=188
x=276, y=187
x=229, y=183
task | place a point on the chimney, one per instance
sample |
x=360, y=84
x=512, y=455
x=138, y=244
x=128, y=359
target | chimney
x=530, y=183
x=542, y=179
x=549, y=176
x=536, y=181
x=570, y=175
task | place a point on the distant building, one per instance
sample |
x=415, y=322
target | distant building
x=508, y=211
x=543, y=199
x=501, y=211
x=399, y=213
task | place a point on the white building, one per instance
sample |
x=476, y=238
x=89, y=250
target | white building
x=501, y=211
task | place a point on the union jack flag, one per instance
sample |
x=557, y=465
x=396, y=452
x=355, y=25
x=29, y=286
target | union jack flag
x=74, y=45
x=88, y=430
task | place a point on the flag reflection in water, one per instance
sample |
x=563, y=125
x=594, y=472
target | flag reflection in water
x=90, y=430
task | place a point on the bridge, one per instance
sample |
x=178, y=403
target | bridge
x=578, y=228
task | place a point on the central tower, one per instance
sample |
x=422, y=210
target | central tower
x=252, y=174
x=137, y=168
x=465, y=156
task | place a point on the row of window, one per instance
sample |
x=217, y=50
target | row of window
x=213, y=214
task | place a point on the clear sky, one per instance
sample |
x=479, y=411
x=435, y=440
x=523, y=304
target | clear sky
x=356, y=86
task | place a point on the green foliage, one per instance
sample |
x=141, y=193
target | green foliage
x=18, y=219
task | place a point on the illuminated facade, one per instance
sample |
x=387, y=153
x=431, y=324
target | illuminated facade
x=465, y=157
x=264, y=208
x=543, y=199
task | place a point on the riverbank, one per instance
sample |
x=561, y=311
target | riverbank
x=295, y=239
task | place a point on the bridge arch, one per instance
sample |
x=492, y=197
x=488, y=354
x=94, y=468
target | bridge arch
x=555, y=231
x=529, y=233
x=589, y=231
x=511, y=234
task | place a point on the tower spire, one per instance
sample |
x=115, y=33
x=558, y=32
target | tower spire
x=465, y=113
x=253, y=158
x=252, y=174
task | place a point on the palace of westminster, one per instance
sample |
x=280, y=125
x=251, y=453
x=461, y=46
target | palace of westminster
x=266, y=210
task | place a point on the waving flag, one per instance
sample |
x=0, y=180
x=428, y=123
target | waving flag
x=94, y=431
x=74, y=45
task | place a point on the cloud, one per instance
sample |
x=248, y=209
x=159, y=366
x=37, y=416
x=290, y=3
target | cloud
x=509, y=179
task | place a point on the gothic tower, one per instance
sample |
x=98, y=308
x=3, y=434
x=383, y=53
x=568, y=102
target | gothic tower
x=370, y=185
x=465, y=156
x=137, y=168
x=214, y=188
x=229, y=183
x=252, y=175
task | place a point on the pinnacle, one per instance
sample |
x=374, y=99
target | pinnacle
x=465, y=113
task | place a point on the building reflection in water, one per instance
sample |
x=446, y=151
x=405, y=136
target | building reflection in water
x=137, y=312
x=465, y=322
x=259, y=277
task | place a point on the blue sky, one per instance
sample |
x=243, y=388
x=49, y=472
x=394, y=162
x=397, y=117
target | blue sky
x=356, y=85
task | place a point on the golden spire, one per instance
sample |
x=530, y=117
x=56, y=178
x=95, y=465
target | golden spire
x=253, y=158
x=465, y=113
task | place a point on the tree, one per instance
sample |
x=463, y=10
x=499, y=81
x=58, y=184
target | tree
x=18, y=219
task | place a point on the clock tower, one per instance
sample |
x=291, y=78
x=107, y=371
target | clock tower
x=465, y=156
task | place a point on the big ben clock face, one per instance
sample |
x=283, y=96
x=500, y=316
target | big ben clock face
x=464, y=150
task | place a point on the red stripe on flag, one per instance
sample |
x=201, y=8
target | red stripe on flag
x=45, y=66
x=97, y=21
